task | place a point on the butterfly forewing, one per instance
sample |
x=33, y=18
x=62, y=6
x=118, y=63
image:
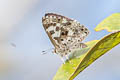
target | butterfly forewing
x=65, y=34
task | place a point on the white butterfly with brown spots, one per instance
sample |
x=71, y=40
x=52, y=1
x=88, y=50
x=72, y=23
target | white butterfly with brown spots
x=66, y=34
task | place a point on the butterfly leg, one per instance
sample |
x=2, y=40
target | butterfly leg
x=62, y=59
x=67, y=58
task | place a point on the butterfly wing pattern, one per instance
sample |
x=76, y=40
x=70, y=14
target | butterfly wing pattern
x=66, y=34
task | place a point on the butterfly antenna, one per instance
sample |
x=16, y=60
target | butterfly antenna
x=47, y=51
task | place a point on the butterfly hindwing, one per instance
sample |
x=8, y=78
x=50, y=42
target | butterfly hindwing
x=65, y=34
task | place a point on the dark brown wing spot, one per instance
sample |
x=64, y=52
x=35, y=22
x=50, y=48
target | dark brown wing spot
x=46, y=26
x=76, y=30
x=64, y=44
x=69, y=50
x=85, y=32
x=74, y=33
x=66, y=32
x=58, y=20
x=54, y=24
x=73, y=29
x=52, y=32
x=82, y=29
x=62, y=33
x=65, y=53
x=57, y=28
x=61, y=39
x=68, y=23
x=69, y=40
x=86, y=29
x=51, y=24
x=57, y=38
x=43, y=20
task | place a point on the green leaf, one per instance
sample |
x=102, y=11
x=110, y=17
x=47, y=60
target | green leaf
x=67, y=69
x=111, y=23
x=82, y=51
x=82, y=58
x=71, y=69
x=104, y=45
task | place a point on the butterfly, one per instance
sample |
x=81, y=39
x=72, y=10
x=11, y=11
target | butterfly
x=65, y=34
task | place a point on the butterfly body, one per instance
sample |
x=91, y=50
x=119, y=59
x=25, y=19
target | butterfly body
x=65, y=34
